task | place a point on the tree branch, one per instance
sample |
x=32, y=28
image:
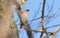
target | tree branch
x=55, y=31
x=43, y=26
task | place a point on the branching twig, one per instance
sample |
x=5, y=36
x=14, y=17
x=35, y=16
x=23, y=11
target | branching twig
x=52, y=17
x=40, y=18
x=49, y=11
x=55, y=31
x=52, y=26
x=43, y=25
x=36, y=14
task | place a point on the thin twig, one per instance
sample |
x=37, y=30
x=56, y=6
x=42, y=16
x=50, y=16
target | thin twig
x=36, y=14
x=52, y=17
x=55, y=31
x=53, y=26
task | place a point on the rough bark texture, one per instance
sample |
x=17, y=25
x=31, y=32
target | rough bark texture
x=7, y=27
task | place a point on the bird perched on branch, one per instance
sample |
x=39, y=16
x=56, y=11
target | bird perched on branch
x=24, y=18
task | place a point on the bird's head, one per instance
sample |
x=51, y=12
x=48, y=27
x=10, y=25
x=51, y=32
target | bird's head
x=26, y=11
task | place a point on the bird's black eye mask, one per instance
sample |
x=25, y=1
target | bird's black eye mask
x=27, y=10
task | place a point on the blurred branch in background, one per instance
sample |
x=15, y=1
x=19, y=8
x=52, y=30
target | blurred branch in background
x=53, y=26
x=52, y=17
x=50, y=10
x=22, y=2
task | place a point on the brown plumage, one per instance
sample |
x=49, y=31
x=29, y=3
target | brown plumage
x=24, y=18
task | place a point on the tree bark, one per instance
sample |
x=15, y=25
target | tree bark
x=7, y=27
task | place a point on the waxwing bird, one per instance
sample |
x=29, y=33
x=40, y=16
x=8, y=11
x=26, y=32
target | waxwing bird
x=24, y=18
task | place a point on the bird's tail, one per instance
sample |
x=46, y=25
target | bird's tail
x=21, y=25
